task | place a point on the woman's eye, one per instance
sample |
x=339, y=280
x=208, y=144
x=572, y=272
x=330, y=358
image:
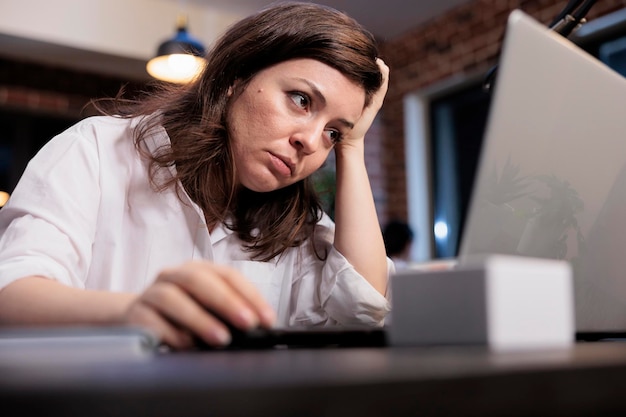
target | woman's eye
x=335, y=136
x=301, y=100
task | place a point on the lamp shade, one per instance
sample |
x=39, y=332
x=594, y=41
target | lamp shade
x=179, y=59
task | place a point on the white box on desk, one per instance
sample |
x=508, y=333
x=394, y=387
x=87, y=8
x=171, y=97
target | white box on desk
x=505, y=302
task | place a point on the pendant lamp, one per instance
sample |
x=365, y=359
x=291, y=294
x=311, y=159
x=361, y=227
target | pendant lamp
x=179, y=59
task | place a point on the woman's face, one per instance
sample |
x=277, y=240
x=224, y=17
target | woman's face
x=285, y=122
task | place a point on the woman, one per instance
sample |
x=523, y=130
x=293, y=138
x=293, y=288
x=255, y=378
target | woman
x=194, y=205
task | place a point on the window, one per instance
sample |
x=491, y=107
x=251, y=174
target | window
x=457, y=123
x=605, y=38
x=613, y=53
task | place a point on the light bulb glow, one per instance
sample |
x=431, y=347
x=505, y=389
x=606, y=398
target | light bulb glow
x=182, y=65
x=4, y=197
x=441, y=230
x=176, y=68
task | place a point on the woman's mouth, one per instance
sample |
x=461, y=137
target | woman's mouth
x=282, y=166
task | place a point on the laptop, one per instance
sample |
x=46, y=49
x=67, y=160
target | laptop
x=39, y=346
x=551, y=179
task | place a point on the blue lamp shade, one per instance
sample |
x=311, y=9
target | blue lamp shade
x=180, y=59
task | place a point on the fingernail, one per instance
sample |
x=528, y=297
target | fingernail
x=222, y=336
x=248, y=318
x=269, y=316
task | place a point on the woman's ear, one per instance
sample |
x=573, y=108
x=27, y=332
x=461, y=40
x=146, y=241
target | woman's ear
x=231, y=89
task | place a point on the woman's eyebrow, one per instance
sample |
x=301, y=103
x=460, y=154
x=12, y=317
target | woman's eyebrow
x=346, y=123
x=317, y=93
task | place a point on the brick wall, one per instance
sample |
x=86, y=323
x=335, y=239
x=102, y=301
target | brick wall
x=464, y=41
x=38, y=88
x=38, y=101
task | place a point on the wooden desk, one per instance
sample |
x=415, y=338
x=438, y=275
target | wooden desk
x=589, y=379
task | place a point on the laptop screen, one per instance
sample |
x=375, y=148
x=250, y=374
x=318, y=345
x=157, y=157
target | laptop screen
x=551, y=180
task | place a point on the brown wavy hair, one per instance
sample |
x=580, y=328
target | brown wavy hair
x=194, y=116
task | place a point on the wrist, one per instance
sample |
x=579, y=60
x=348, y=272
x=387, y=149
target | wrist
x=350, y=149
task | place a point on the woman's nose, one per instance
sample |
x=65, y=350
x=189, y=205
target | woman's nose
x=307, y=139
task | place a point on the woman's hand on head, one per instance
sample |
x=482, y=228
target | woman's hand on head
x=357, y=133
x=186, y=302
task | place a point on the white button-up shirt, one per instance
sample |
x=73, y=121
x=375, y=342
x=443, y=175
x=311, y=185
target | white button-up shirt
x=85, y=214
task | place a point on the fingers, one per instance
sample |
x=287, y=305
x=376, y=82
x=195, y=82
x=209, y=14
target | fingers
x=369, y=113
x=181, y=311
x=196, y=298
x=171, y=335
x=379, y=97
x=224, y=292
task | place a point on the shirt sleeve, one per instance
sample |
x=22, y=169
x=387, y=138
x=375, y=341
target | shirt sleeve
x=331, y=291
x=47, y=226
